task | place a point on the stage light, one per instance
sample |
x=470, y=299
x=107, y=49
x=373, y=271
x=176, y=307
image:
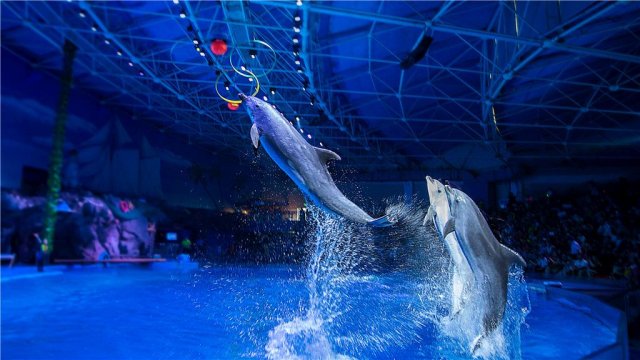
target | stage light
x=296, y=39
x=299, y=2
x=253, y=53
x=141, y=73
x=106, y=41
x=417, y=53
x=196, y=41
x=321, y=144
x=202, y=53
x=311, y=99
x=130, y=64
x=296, y=29
x=218, y=47
x=265, y=98
x=94, y=27
x=297, y=62
x=176, y=1
x=299, y=69
x=272, y=91
x=119, y=53
x=297, y=118
x=82, y=14
x=183, y=14
x=226, y=85
x=302, y=130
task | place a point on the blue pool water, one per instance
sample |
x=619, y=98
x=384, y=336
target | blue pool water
x=340, y=304
x=229, y=312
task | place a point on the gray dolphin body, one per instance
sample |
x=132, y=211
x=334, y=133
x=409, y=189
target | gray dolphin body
x=306, y=165
x=474, y=250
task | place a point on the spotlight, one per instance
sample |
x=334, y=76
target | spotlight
x=82, y=14
x=141, y=73
x=253, y=53
x=130, y=64
x=196, y=41
x=321, y=144
x=297, y=17
x=106, y=41
x=183, y=14
x=119, y=53
x=299, y=2
x=296, y=39
x=296, y=29
x=297, y=118
x=243, y=68
x=296, y=50
x=251, y=79
x=94, y=27
x=417, y=53
x=176, y=1
x=226, y=85
x=309, y=136
x=302, y=130
x=218, y=46
x=202, y=53
x=198, y=49
x=311, y=99
x=265, y=98
x=297, y=62
x=299, y=69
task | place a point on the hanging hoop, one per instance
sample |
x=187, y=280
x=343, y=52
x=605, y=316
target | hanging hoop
x=273, y=64
x=238, y=102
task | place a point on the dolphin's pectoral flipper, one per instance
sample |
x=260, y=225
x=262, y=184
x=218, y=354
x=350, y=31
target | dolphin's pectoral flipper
x=326, y=155
x=513, y=257
x=449, y=227
x=255, y=136
x=383, y=221
x=429, y=216
x=475, y=345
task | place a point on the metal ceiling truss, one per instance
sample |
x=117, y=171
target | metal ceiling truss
x=488, y=85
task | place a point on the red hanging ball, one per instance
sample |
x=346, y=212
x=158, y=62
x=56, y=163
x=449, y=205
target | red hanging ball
x=232, y=106
x=219, y=46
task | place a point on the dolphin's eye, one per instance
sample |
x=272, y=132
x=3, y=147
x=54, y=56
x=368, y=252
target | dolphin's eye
x=439, y=190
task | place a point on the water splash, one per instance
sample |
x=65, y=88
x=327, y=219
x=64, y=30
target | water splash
x=387, y=293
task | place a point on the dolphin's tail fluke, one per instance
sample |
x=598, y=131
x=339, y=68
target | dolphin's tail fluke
x=383, y=221
x=513, y=257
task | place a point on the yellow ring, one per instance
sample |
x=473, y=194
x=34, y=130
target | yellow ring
x=237, y=102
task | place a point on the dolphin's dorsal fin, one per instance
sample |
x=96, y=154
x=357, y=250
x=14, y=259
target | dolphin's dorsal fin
x=513, y=257
x=449, y=227
x=255, y=136
x=326, y=155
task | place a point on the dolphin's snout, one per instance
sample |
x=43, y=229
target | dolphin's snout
x=243, y=96
x=430, y=179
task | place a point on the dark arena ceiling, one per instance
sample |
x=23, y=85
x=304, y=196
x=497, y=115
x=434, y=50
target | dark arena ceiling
x=503, y=85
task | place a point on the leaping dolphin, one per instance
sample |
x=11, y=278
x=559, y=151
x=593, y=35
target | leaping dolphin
x=487, y=259
x=306, y=165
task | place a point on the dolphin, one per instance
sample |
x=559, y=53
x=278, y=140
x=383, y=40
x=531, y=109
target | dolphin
x=306, y=165
x=486, y=258
x=438, y=213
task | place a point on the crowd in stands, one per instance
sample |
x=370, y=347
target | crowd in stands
x=595, y=233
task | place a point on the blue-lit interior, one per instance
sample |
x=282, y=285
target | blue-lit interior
x=174, y=223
